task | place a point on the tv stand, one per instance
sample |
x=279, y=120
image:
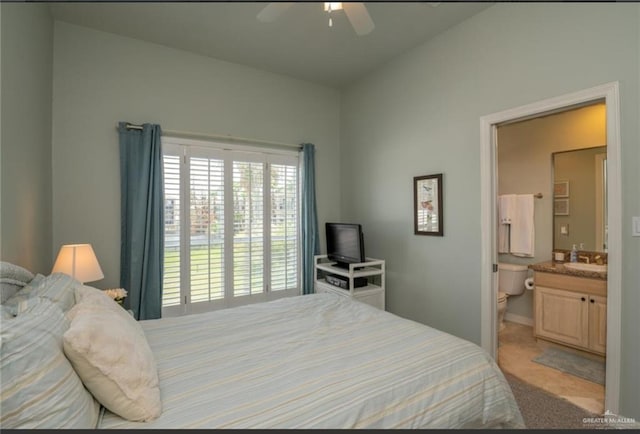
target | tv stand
x=345, y=265
x=372, y=270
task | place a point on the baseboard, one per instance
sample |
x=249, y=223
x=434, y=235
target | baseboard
x=518, y=319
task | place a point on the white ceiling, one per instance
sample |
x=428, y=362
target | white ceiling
x=299, y=43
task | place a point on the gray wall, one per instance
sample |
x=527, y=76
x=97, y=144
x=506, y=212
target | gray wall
x=25, y=138
x=420, y=115
x=101, y=78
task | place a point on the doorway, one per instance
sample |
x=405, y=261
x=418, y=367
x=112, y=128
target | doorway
x=552, y=158
x=489, y=257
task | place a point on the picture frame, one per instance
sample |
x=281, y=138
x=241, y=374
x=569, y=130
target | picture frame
x=427, y=205
x=561, y=189
x=561, y=207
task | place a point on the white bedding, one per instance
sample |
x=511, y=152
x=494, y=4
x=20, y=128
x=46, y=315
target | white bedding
x=319, y=361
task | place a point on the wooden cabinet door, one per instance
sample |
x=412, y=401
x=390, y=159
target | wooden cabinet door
x=562, y=316
x=598, y=323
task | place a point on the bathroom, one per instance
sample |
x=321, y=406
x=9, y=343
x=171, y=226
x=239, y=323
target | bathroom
x=559, y=160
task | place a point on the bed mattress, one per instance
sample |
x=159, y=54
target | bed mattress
x=319, y=361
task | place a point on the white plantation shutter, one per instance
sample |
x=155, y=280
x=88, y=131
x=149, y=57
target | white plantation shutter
x=231, y=225
x=248, y=228
x=171, y=275
x=206, y=238
x=284, y=226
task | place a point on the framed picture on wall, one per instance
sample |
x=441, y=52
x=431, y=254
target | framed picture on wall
x=427, y=205
x=561, y=189
x=561, y=207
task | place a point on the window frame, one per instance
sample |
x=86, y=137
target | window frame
x=230, y=152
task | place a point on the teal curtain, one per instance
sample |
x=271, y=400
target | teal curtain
x=141, y=219
x=309, y=217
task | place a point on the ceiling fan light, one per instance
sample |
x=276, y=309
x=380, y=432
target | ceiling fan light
x=332, y=6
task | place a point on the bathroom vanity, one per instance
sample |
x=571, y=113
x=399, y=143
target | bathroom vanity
x=570, y=306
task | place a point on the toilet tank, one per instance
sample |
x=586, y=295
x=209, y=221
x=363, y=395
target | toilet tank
x=511, y=278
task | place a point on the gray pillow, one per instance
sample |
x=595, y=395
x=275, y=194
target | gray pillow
x=12, y=273
x=8, y=290
x=40, y=389
x=57, y=287
x=12, y=279
x=5, y=314
x=24, y=293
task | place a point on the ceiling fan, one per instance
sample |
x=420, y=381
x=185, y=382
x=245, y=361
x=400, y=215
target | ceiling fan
x=356, y=13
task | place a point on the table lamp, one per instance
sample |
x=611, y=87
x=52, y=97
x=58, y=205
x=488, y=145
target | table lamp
x=78, y=261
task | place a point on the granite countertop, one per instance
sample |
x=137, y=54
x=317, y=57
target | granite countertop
x=559, y=268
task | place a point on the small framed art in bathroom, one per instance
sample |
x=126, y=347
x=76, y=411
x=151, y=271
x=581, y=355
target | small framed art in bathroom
x=561, y=207
x=561, y=189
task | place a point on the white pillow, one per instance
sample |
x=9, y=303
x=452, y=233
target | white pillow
x=85, y=293
x=110, y=353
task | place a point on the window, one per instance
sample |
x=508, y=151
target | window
x=231, y=226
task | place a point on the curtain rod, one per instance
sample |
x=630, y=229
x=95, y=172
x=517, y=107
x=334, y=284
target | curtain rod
x=215, y=136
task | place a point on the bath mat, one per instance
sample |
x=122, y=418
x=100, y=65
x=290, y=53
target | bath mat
x=574, y=364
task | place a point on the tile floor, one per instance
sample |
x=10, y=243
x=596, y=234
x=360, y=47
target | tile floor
x=517, y=347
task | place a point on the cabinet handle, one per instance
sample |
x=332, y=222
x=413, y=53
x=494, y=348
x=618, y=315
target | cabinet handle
x=592, y=300
x=583, y=299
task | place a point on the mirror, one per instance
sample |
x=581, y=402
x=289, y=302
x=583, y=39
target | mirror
x=580, y=199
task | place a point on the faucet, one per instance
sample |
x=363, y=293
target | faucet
x=586, y=258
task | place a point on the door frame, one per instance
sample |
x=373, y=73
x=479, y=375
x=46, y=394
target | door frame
x=609, y=93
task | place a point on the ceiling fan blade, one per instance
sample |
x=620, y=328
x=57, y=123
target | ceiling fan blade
x=359, y=17
x=272, y=11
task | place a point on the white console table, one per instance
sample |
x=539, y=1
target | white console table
x=373, y=270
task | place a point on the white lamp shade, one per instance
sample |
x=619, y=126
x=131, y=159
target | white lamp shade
x=334, y=6
x=78, y=261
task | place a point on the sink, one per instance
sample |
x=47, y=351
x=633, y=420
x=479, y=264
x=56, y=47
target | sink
x=581, y=266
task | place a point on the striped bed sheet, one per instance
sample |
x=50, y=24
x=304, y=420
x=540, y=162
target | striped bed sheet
x=319, y=361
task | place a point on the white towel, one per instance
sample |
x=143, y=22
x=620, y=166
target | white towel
x=522, y=234
x=506, y=213
x=506, y=208
x=503, y=239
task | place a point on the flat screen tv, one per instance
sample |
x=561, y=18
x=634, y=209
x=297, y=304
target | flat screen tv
x=345, y=243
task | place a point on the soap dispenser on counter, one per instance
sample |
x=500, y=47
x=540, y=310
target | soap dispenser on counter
x=574, y=254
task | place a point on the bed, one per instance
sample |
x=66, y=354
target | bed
x=315, y=361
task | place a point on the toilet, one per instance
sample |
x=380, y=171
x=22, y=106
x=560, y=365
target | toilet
x=511, y=281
